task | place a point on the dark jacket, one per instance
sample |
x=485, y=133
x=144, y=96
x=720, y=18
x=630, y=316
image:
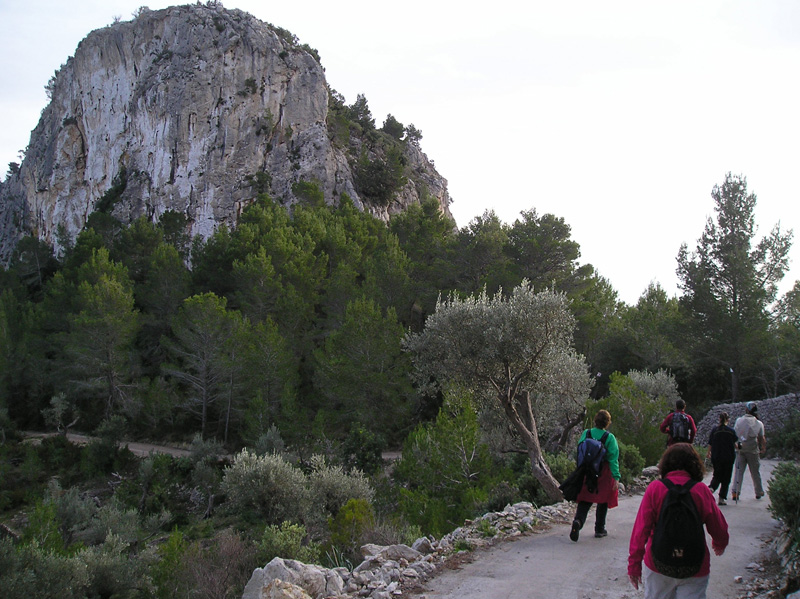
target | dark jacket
x=723, y=444
x=667, y=423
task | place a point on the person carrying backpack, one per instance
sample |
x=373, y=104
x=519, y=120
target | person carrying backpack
x=722, y=447
x=602, y=488
x=678, y=425
x=668, y=532
x=751, y=443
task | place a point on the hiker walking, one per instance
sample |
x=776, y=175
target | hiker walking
x=722, y=447
x=678, y=425
x=668, y=532
x=602, y=490
x=750, y=442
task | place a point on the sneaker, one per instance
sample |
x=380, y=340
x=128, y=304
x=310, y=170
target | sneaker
x=599, y=534
x=722, y=502
x=575, y=532
x=759, y=496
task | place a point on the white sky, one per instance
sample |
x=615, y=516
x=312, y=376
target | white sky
x=619, y=117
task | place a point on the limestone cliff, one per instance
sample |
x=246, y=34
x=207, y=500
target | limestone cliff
x=194, y=109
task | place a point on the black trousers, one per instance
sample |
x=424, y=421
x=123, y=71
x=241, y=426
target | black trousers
x=721, y=477
x=600, y=516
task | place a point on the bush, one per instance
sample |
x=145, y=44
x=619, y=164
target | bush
x=114, y=572
x=561, y=465
x=445, y=471
x=266, y=486
x=785, y=442
x=168, y=573
x=349, y=526
x=28, y=568
x=638, y=403
x=331, y=487
x=73, y=512
x=286, y=541
x=784, y=496
x=59, y=453
x=379, y=179
x=631, y=462
x=363, y=449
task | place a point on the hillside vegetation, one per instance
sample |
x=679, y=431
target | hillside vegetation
x=299, y=346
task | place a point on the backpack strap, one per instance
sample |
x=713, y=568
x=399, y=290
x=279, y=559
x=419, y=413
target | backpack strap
x=603, y=438
x=671, y=485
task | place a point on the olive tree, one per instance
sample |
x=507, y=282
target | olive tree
x=515, y=351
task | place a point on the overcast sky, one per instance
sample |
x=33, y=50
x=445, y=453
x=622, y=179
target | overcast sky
x=619, y=117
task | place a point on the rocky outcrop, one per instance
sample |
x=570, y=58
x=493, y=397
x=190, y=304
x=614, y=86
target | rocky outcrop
x=194, y=109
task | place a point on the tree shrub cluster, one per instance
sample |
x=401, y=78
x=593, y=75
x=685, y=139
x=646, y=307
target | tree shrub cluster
x=289, y=346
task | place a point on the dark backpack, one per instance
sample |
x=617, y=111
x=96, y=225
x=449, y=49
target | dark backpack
x=679, y=427
x=679, y=541
x=591, y=453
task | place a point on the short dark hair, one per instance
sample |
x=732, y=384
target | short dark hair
x=682, y=456
x=680, y=404
x=602, y=419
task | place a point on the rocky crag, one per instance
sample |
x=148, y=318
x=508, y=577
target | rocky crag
x=197, y=109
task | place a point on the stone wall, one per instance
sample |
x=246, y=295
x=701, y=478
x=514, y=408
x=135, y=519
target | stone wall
x=774, y=413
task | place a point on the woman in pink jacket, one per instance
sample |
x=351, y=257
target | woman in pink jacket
x=680, y=463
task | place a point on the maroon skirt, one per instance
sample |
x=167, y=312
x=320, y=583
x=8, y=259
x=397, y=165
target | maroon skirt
x=606, y=489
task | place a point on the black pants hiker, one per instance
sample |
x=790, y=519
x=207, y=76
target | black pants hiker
x=721, y=478
x=600, y=516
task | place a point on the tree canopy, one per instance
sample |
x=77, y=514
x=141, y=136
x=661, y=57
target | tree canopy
x=515, y=351
x=729, y=282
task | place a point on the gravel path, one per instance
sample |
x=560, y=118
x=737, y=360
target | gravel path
x=139, y=449
x=550, y=566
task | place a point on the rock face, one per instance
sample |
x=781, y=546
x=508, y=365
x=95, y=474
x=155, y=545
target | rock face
x=194, y=109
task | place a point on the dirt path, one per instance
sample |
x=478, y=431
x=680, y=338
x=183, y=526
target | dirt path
x=551, y=566
x=139, y=449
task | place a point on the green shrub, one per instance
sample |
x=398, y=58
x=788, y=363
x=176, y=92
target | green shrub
x=73, y=512
x=270, y=442
x=363, y=449
x=631, y=463
x=561, y=465
x=348, y=527
x=445, y=470
x=59, y=454
x=30, y=570
x=267, y=486
x=784, y=496
x=638, y=403
x=379, y=179
x=330, y=487
x=486, y=529
x=115, y=572
x=785, y=442
x=499, y=496
x=286, y=541
x=42, y=529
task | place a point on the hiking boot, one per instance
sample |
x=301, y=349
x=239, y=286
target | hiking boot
x=575, y=532
x=735, y=496
x=722, y=502
x=759, y=496
x=599, y=534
